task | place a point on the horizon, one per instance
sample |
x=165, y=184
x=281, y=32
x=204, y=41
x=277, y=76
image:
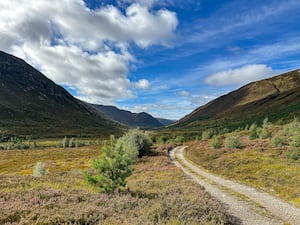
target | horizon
x=165, y=58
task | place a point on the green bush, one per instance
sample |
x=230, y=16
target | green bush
x=264, y=132
x=135, y=143
x=233, y=142
x=179, y=139
x=39, y=169
x=207, y=134
x=294, y=154
x=278, y=140
x=295, y=140
x=111, y=169
x=216, y=142
x=294, y=127
x=253, y=134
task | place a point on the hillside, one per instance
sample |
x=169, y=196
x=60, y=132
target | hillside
x=165, y=122
x=277, y=98
x=31, y=104
x=142, y=120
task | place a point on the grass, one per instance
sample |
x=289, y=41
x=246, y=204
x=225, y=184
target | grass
x=56, y=159
x=258, y=164
x=157, y=192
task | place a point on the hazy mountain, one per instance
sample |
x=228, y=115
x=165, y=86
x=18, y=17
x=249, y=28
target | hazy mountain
x=277, y=98
x=165, y=122
x=31, y=104
x=142, y=120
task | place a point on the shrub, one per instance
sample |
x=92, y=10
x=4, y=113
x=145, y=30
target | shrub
x=253, y=132
x=278, y=140
x=39, y=169
x=294, y=127
x=111, y=169
x=265, y=132
x=64, y=142
x=71, y=143
x=295, y=140
x=135, y=143
x=216, y=142
x=294, y=154
x=233, y=142
x=207, y=134
x=179, y=139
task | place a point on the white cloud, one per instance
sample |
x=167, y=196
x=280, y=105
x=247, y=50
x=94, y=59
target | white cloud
x=142, y=84
x=82, y=48
x=183, y=94
x=240, y=75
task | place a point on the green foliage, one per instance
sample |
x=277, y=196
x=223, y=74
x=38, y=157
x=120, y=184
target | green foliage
x=71, y=143
x=278, y=140
x=216, y=142
x=294, y=154
x=135, y=143
x=253, y=134
x=294, y=127
x=179, y=139
x=295, y=140
x=39, y=169
x=207, y=134
x=111, y=169
x=264, y=132
x=233, y=142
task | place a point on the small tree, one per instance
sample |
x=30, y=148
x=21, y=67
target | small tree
x=207, y=134
x=233, y=142
x=135, y=144
x=39, y=169
x=216, y=142
x=253, y=132
x=111, y=169
x=265, y=132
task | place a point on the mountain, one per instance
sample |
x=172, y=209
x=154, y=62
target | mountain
x=165, y=122
x=31, y=104
x=277, y=98
x=142, y=120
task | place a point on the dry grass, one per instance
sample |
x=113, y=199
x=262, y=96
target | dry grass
x=157, y=192
x=257, y=164
x=56, y=159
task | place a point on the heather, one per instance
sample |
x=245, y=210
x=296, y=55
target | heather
x=156, y=193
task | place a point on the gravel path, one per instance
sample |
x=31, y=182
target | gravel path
x=250, y=205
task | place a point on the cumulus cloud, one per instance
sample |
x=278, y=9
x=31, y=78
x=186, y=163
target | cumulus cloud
x=142, y=84
x=85, y=49
x=240, y=75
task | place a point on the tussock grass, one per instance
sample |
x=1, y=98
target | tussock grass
x=157, y=192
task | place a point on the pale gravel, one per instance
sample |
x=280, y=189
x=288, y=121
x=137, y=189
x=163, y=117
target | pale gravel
x=272, y=210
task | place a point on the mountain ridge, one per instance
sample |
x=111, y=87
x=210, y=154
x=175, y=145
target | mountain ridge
x=32, y=104
x=140, y=120
x=265, y=97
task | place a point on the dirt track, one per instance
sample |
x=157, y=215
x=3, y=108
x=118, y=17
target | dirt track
x=246, y=203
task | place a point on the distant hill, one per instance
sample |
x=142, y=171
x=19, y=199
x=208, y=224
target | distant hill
x=142, y=120
x=31, y=104
x=277, y=98
x=165, y=122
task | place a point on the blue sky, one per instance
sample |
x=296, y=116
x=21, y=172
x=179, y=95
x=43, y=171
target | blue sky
x=164, y=57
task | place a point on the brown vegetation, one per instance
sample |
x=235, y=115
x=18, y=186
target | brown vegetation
x=157, y=193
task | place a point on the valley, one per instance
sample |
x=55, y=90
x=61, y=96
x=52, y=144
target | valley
x=53, y=145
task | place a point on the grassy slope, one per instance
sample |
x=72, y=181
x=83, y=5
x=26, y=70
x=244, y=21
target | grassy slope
x=32, y=104
x=159, y=192
x=258, y=164
x=277, y=98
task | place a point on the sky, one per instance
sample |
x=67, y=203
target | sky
x=163, y=57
